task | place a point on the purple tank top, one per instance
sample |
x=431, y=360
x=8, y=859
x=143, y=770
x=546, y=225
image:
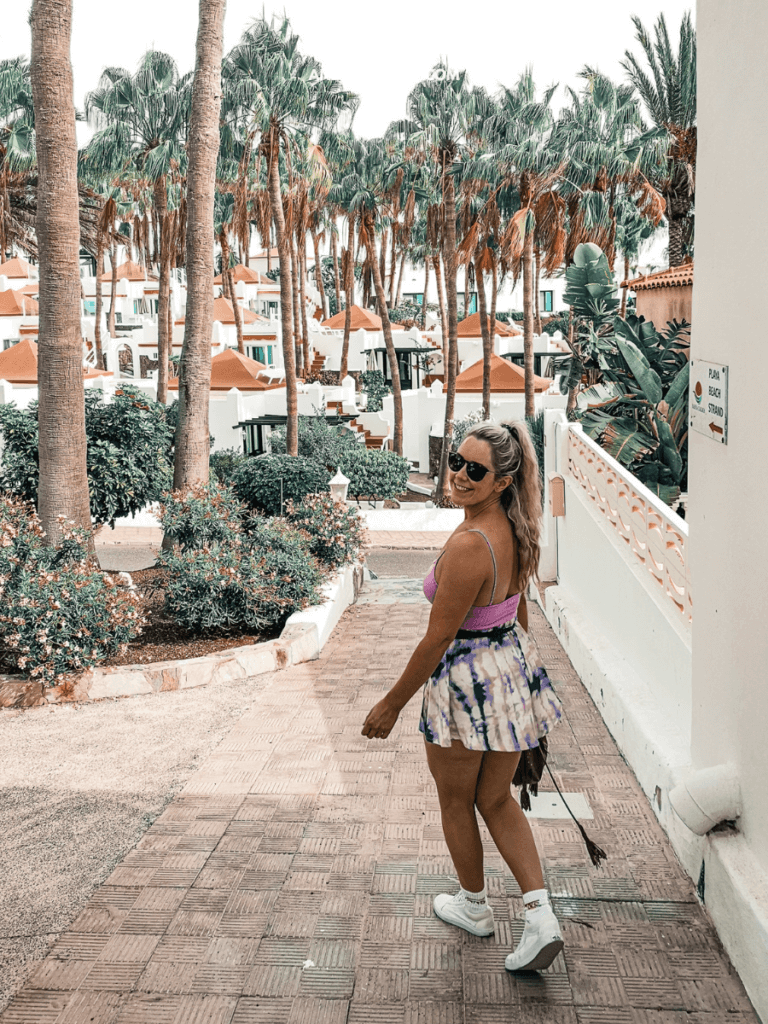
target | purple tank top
x=487, y=616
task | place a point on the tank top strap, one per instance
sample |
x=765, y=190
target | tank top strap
x=493, y=558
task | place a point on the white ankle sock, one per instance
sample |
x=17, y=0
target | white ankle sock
x=535, y=900
x=474, y=897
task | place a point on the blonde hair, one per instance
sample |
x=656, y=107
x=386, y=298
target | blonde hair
x=513, y=454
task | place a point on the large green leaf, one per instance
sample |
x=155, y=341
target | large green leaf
x=679, y=387
x=646, y=377
x=624, y=442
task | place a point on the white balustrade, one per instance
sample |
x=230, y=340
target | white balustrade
x=654, y=536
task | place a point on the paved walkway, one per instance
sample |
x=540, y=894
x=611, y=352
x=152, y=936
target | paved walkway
x=291, y=881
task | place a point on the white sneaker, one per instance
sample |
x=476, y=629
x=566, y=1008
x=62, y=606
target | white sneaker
x=539, y=945
x=473, y=917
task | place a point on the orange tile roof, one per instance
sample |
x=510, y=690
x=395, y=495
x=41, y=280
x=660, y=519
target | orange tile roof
x=675, y=277
x=17, y=267
x=364, y=319
x=243, y=273
x=129, y=271
x=506, y=378
x=17, y=304
x=30, y=289
x=18, y=364
x=225, y=314
x=471, y=327
x=231, y=369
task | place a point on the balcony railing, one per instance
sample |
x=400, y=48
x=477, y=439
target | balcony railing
x=654, y=536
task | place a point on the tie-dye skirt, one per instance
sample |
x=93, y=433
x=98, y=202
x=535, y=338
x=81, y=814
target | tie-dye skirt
x=491, y=692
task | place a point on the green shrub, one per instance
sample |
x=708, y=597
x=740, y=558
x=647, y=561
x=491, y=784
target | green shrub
x=373, y=474
x=224, y=464
x=202, y=515
x=246, y=580
x=129, y=452
x=319, y=440
x=372, y=383
x=266, y=482
x=336, y=532
x=58, y=613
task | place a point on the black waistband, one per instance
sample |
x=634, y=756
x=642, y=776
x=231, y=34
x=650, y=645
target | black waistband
x=495, y=633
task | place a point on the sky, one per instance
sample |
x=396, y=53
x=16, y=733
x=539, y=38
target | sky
x=378, y=53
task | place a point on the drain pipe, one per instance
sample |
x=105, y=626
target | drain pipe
x=707, y=797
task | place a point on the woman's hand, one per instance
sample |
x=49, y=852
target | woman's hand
x=381, y=720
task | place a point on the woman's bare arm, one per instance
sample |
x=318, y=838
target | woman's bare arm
x=522, y=613
x=463, y=571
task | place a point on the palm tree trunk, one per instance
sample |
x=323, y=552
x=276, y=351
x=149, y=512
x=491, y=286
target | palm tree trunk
x=486, y=336
x=393, y=269
x=623, y=310
x=301, y=256
x=443, y=313
x=424, y=297
x=160, y=198
x=399, y=292
x=237, y=311
x=537, y=303
x=192, y=432
x=113, y=291
x=296, y=311
x=348, y=266
x=675, y=241
x=99, y=302
x=63, y=484
x=336, y=282
x=286, y=309
x=394, y=369
x=449, y=256
x=383, y=259
x=494, y=296
x=528, y=322
x=319, y=276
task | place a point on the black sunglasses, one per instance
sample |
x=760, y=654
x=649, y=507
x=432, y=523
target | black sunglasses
x=475, y=470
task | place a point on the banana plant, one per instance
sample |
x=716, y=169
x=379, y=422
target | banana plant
x=638, y=409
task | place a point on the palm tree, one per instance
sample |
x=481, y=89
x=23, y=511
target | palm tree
x=192, y=434
x=440, y=113
x=610, y=155
x=17, y=142
x=281, y=98
x=63, y=486
x=529, y=169
x=141, y=123
x=671, y=100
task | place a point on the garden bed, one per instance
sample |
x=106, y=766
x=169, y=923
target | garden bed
x=301, y=639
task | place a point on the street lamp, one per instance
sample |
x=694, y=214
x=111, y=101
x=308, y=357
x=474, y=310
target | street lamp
x=338, y=486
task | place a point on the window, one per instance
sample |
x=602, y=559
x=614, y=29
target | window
x=546, y=304
x=471, y=306
x=415, y=297
x=89, y=305
x=262, y=354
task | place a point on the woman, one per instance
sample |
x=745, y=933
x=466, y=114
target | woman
x=487, y=698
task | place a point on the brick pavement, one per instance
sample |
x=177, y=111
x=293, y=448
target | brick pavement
x=291, y=881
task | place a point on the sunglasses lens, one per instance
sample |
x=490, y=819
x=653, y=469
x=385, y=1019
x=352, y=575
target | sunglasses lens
x=476, y=471
x=455, y=462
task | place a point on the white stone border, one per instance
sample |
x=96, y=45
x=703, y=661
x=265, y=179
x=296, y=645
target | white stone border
x=303, y=637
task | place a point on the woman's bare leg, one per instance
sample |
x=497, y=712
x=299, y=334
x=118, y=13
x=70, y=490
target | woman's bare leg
x=455, y=771
x=508, y=825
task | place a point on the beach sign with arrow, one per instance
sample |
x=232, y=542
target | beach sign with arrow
x=709, y=400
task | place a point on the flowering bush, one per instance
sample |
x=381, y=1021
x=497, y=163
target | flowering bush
x=248, y=580
x=374, y=474
x=201, y=515
x=336, y=532
x=58, y=612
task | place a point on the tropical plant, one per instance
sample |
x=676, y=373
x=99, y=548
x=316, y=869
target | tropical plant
x=668, y=89
x=224, y=464
x=376, y=389
x=200, y=515
x=638, y=409
x=58, y=613
x=127, y=457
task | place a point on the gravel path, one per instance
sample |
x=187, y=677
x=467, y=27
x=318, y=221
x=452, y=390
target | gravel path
x=80, y=784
